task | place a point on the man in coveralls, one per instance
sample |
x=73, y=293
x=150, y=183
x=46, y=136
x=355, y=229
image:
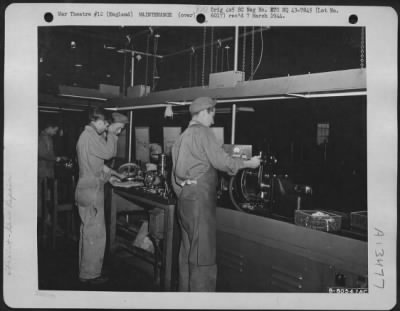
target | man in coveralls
x=196, y=158
x=92, y=150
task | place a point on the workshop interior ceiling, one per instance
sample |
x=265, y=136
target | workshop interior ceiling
x=85, y=57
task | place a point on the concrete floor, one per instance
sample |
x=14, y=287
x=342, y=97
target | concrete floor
x=58, y=270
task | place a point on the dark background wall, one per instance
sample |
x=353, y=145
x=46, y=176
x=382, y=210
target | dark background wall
x=286, y=128
x=280, y=51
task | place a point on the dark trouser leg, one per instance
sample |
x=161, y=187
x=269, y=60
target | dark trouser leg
x=192, y=276
x=203, y=278
x=184, y=263
x=187, y=223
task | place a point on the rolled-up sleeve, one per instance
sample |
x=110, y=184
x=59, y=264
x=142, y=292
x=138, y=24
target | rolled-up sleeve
x=217, y=156
x=106, y=173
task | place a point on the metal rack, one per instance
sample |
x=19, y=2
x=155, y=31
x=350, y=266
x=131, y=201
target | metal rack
x=163, y=233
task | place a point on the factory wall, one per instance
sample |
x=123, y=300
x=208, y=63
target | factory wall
x=288, y=129
x=285, y=128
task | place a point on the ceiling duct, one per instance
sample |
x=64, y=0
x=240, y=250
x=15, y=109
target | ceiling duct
x=351, y=82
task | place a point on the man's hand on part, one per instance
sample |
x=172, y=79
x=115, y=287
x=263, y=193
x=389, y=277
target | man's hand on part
x=254, y=162
x=121, y=176
x=59, y=159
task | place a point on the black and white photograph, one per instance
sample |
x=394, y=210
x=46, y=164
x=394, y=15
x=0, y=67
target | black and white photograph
x=226, y=158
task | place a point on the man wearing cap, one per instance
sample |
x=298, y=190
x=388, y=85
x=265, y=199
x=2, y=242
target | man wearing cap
x=196, y=158
x=92, y=150
x=119, y=120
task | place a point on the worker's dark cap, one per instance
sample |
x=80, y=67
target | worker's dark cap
x=119, y=118
x=201, y=103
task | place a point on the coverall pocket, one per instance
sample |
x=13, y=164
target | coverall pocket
x=86, y=193
x=87, y=214
x=189, y=193
x=85, y=197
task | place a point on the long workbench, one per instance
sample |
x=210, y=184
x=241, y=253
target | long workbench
x=163, y=230
x=254, y=253
x=260, y=254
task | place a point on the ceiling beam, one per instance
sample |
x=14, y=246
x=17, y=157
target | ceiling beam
x=317, y=84
x=313, y=85
x=67, y=102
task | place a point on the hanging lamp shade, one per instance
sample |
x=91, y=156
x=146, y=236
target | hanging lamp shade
x=168, y=112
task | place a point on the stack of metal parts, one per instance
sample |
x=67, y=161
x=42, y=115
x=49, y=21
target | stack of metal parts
x=152, y=180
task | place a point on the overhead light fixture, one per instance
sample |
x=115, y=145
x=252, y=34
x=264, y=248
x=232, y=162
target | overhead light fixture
x=179, y=103
x=41, y=59
x=48, y=74
x=108, y=75
x=137, y=107
x=83, y=97
x=169, y=103
x=250, y=99
x=57, y=109
x=238, y=109
x=73, y=44
x=328, y=94
x=49, y=111
x=78, y=65
x=168, y=113
x=235, y=100
x=71, y=109
x=109, y=47
x=239, y=100
x=226, y=110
